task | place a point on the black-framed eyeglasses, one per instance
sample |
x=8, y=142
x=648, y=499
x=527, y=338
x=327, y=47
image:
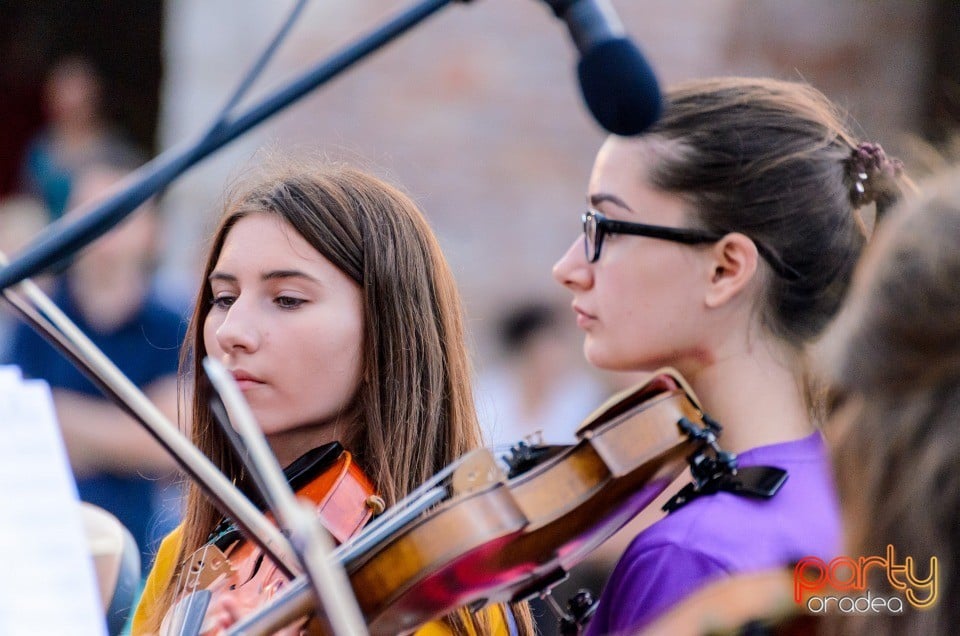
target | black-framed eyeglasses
x=596, y=226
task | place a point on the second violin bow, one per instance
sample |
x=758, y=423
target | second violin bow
x=309, y=539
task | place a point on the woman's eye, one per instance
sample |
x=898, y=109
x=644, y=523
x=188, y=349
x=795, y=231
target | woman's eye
x=222, y=301
x=288, y=302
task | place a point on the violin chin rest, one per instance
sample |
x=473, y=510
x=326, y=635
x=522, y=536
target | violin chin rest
x=116, y=560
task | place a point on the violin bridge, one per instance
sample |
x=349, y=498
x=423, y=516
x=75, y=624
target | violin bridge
x=206, y=566
x=478, y=470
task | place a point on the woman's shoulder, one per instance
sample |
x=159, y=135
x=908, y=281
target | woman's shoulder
x=742, y=532
x=163, y=567
x=170, y=544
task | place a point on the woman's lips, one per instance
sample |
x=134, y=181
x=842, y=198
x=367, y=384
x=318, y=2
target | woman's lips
x=245, y=380
x=584, y=318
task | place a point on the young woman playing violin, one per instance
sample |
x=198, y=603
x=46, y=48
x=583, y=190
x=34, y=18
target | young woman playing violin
x=328, y=299
x=721, y=243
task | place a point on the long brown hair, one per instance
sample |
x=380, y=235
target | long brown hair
x=414, y=401
x=894, y=353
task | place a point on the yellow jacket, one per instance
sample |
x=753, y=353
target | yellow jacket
x=163, y=567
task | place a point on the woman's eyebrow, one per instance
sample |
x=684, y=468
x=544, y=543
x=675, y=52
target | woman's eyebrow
x=600, y=197
x=271, y=275
x=288, y=273
x=230, y=278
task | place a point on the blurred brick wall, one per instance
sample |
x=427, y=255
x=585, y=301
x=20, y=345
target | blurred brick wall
x=477, y=113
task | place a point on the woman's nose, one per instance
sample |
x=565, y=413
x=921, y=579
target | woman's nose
x=238, y=329
x=572, y=270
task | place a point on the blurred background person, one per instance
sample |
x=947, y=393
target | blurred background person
x=540, y=389
x=21, y=218
x=76, y=135
x=894, y=357
x=107, y=292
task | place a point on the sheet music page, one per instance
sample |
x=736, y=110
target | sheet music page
x=48, y=584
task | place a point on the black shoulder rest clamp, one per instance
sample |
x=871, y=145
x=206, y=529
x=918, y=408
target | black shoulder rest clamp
x=715, y=470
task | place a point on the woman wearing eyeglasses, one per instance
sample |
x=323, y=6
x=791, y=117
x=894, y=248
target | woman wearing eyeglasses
x=720, y=243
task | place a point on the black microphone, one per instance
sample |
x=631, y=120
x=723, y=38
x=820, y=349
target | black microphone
x=618, y=85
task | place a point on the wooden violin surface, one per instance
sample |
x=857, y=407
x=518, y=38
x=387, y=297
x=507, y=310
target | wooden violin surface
x=229, y=566
x=505, y=536
x=503, y=529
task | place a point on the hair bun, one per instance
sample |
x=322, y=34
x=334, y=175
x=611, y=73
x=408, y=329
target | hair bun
x=871, y=173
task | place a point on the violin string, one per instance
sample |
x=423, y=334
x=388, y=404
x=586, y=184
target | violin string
x=174, y=625
x=410, y=500
x=193, y=584
x=421, y=498
x=181, y=605
x=165, y=629
x=369, y=537
x=188, y=584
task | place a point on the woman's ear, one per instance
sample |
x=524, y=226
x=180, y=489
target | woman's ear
x=733, y=266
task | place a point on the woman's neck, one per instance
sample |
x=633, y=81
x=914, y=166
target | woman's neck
x=756, y=396
x=289, y=445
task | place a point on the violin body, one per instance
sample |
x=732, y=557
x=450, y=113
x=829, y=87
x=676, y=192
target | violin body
x=231, y=566
x=504, y=537
x=507, y=530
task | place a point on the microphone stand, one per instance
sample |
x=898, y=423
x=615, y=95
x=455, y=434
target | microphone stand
x=312, y=543
x=68, y=236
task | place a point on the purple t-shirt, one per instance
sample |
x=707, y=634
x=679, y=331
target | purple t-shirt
x=722, y=534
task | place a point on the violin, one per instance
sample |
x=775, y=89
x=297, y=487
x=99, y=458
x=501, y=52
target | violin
x=344, y=499
x=492, y=529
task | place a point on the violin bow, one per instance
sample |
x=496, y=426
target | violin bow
x=310, y=540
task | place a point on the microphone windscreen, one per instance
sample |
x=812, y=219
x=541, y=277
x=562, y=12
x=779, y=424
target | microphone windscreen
x=619, y=87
